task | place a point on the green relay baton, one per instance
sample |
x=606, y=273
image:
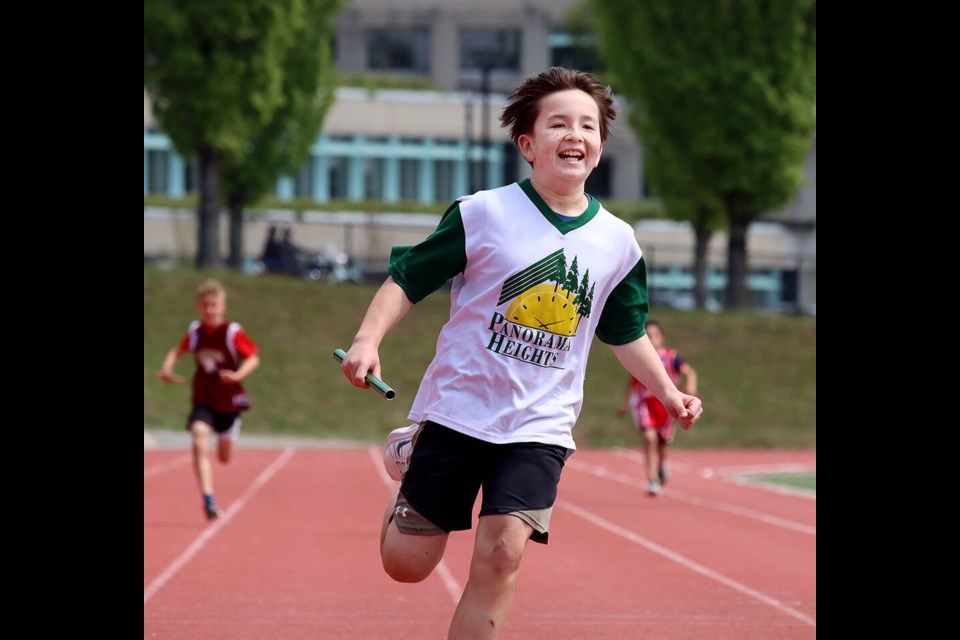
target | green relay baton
x=375, y=383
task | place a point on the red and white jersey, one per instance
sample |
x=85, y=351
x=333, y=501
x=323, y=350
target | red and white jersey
x=643, y=404
x=218, y=349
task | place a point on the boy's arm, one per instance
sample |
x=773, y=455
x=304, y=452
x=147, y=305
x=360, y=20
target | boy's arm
x=689, y=378
x=246, y=368
x=641, y=360
x=387, y=308
x=166, y=369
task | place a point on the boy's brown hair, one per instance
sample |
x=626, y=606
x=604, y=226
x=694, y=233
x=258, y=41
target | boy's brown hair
x=211, y=288
x=522, y=112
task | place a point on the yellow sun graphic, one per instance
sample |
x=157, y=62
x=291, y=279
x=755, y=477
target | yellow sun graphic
x=541, y=307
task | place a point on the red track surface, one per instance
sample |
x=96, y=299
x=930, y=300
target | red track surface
x=296, y=555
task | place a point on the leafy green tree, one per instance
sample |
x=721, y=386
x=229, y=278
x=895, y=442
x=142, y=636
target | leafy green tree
x=281, y=146
x=685, y=201
x=724, y=93
x=215, y=73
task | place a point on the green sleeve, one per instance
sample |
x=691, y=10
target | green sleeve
x=624, y=316
x=423, y=268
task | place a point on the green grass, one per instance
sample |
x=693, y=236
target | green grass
x=757, y=373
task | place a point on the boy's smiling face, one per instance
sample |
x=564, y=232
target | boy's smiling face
x=564, y=145
x=655, y=335
x=212, y=308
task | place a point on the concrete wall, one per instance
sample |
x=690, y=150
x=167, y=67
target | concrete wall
x=172, y=233
x=369, y=236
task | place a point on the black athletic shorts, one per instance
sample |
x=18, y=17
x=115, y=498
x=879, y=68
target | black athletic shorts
x=220, y=421
x=447, y=470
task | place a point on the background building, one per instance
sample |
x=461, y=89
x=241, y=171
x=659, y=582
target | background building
x=429, y=146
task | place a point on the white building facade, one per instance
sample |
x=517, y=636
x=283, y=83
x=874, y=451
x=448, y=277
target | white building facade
x=429, y=147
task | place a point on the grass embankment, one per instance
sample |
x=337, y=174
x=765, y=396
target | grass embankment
x=757, y=373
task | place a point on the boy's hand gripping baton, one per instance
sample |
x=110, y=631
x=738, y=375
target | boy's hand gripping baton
x=375, y=383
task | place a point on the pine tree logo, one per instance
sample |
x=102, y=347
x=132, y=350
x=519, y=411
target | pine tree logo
x=549, y=296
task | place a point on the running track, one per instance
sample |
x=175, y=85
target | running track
x=295, y=557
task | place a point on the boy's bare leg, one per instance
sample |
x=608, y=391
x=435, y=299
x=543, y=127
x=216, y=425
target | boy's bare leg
x=498, y=550
x=224, y=449
x=387, y=513
x=651, y=451
x=407, y=557
x=662, y=453
x=201, y=456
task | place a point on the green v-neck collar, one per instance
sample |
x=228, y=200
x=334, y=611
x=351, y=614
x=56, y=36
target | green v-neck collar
x=563, y=226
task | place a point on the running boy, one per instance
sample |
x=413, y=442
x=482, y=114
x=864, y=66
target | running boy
x=224, y=355
x=651, y=417
x=539, y=267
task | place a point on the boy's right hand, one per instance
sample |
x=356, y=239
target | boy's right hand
x=170, y=377
x=684, y=408
x=360, y=360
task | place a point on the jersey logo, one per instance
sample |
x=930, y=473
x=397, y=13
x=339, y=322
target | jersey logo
x=209, y=360
x=547, y=301
x=565, y=301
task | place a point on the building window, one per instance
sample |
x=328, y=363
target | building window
x=409, y=177
x=575, y=51
x=512, y=162
x=303, y=181
x=493, y=48
x=373, y=178
x=398, y=50
x=337, y=173
x=599, y=184
x=444, y=172
x=477, y=176
x=157, y=171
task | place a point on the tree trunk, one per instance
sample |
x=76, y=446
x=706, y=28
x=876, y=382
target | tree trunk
x=736, y=293
x=235, y=204
x=702, y=234
x=208, y=211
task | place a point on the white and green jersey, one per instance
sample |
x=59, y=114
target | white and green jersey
x=530, y=291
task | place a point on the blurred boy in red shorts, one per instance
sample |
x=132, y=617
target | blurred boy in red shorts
x=651, y=416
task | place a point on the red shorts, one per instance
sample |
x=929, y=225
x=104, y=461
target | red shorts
x=651, y=414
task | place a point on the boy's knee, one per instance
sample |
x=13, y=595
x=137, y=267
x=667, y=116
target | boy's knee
x=405, y=568
x=502, y=560
x=405, y=573
x=411, y=555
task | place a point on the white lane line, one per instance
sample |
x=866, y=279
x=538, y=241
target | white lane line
x=605, y=473
x=783, y=467
x=750, y=476
x=773, y=487
x=165, y=466
x=593, y=518
x=443, y=571
x=157, y=583
x=746, y=513
x=742, y=474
